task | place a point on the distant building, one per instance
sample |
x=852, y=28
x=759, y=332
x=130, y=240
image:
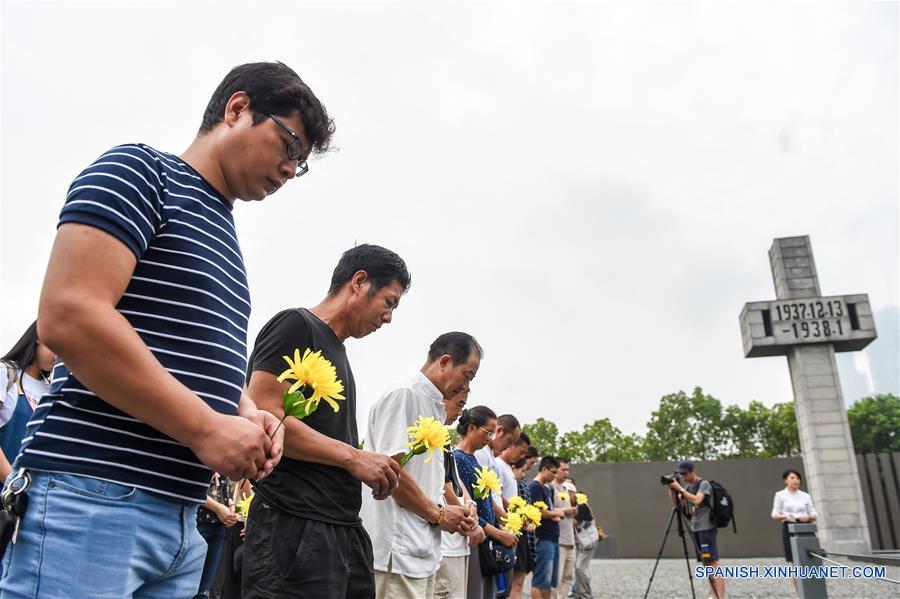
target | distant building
x=876, y=369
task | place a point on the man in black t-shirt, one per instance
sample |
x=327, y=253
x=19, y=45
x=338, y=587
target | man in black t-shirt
x=304, y=536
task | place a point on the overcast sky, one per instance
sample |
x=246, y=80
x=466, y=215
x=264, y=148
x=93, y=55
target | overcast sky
x=590, y=190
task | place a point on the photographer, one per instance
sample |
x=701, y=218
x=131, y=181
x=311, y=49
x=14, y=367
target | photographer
x=702, y=527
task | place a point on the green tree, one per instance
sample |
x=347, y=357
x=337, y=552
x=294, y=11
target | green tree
x=630, y=449
x=685, y=426
x=603, y=442
x=875, y=424
x=598, y=441
x=781, y=439
x=544, y=435
x=573, y=446
x=746, y=430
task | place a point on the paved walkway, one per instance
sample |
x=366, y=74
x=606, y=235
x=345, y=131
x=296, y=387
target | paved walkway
x=627, y=579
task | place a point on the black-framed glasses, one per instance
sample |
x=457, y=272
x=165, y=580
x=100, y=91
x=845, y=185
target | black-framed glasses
x=294, y=147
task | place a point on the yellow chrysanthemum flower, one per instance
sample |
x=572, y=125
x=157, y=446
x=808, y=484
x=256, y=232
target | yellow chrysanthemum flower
x=533, y=513
x=243, y=506
x=426, y=435
x=513, y=523
x=581, y=498
x=486, y=482
x=317, y=374
x=563, y=496
x=541, y=505
x=516, y=503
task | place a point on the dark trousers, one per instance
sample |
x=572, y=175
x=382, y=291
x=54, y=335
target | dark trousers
x=227, y=582
x=288, y=557
x=214, y=535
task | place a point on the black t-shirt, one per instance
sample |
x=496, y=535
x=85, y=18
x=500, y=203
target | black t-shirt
x=309, y=490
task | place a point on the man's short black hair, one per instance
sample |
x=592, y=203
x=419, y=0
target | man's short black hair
x=548, y=461
x=523, y=439
x=520, y=463
x=459, y=346
x=532, y=451
x=382, y=266
x=273, y=88
x=508, y=422
x=563, y=459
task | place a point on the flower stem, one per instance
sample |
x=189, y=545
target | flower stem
x=280, y=424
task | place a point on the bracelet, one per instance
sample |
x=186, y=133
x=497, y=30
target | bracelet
x=440, y=516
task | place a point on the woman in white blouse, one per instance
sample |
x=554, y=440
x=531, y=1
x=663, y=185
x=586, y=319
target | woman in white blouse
x=792, y=505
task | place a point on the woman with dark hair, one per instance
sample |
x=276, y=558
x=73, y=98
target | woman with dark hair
x=24, y=380
x=792, y=505
x=476, y=427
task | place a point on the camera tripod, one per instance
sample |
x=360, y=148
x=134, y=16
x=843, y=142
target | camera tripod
x=677, y=515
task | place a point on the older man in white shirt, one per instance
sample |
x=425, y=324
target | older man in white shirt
x=405, y=528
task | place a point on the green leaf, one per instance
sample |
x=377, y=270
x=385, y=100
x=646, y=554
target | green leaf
x=295, y=404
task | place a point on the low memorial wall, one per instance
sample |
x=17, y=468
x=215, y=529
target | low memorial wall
x=633, y=507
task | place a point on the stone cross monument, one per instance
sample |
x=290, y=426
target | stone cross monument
x=809, y=329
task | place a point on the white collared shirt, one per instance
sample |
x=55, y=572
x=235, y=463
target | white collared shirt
x=508, y=486
x=454, y=544
x=793, y=504
x=400, y=537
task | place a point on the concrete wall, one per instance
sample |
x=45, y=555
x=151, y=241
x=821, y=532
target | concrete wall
x=633, y=507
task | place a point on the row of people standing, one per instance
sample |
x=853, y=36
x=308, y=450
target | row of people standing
x=146, y=301
x=429, y=537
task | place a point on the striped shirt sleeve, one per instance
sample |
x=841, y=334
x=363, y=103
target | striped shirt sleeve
x=122, y=194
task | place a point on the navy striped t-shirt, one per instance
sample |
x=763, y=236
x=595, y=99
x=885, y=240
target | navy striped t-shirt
x=187, y=299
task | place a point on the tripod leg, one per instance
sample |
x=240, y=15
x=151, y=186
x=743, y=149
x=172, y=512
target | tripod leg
x=687, y=560
x=662, y=546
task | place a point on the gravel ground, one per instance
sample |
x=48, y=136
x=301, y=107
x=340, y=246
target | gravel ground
x=627, y=578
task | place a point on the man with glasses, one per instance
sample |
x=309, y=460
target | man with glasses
x=146, y=299
x=294, y=147
x=406, y=528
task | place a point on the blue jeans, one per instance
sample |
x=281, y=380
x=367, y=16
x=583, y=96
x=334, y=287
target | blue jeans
x=214, y=535
x=546, y=567
x=85, y=537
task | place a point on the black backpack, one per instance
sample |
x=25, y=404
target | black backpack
x=721, y=506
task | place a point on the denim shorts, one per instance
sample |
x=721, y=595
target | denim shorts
x=707, y=543
x=546, y=567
